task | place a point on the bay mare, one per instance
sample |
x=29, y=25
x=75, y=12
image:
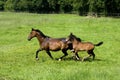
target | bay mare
x=49, y=44
x=82, y=46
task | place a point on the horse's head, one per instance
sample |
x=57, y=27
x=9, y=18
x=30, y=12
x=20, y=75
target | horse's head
x=72, y=37
x=32, y=34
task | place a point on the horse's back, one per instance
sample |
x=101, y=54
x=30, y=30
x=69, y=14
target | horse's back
x=55, y=44
x=85, y=46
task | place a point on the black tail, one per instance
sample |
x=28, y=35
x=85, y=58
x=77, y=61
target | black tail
x=100, y=43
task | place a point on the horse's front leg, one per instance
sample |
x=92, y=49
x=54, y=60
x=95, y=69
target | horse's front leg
x=37, y=53
x=65, y=54
x=48, y=52
x=77, y=56
x=74, y=55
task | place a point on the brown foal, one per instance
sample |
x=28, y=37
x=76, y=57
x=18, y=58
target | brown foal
x=82, y=46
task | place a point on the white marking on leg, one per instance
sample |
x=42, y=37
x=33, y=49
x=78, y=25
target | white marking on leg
x=37, y=59
x=60, y=60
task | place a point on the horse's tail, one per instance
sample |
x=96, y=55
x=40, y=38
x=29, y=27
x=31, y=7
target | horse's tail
x=100, y=43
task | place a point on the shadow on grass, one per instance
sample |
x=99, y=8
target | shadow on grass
x=66, y=59
x=73, y=59
x=91, y=60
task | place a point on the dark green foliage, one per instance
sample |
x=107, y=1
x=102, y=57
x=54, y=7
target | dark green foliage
x=83, y=7
x=9, y=5
x=2, y=2
x=112, y=6
x=22, y=5
x=1, y=5
x=66, y=5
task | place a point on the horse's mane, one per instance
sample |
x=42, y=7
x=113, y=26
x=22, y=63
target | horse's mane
x=73, y=36
x=41, y=33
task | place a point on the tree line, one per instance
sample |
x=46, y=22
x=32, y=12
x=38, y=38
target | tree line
x=83, y=7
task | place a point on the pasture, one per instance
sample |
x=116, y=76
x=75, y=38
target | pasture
x=17, y=55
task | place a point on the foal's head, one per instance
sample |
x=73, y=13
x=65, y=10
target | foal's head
x=72, y=37
x=34, y=33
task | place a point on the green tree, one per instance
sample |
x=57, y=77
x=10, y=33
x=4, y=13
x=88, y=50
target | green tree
x=66, y=6
x=39, y=6
x=81, y=6
x=2, y=5
x=9, y=6
x=112, y=7
x=22, y=5
x=54, y=6
x=96, y=6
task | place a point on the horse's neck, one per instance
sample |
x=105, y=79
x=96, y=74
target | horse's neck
x=76, y=42
x=40, y=39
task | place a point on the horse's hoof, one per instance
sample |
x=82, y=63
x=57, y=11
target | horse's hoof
x=72, y=50
x=82, y=60
x=37, y=59
x=78, y=58
x=60, y=60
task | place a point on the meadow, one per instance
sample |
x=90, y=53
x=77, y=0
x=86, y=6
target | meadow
x=17, y=55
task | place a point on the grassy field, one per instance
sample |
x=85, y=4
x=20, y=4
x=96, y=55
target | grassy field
x=17, y=55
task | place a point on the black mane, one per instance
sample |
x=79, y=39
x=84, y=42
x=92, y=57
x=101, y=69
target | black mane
x=41, y=33
x=73, y=36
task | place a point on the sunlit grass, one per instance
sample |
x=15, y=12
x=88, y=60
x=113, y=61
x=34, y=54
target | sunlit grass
x=17, y=55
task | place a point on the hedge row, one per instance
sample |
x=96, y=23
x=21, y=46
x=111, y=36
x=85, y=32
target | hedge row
x=67, y=6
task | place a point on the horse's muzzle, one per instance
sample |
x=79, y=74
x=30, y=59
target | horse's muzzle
x=29, y=39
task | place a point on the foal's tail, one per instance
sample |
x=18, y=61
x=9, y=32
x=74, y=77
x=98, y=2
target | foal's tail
x=100, y=43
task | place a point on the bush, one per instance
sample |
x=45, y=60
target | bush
x=1, y=5
x=83, y=7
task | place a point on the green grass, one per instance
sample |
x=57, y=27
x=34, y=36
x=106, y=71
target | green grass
x=17, y=55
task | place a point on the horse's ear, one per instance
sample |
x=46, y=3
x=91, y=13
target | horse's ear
x=33, y=29
x=71, y=33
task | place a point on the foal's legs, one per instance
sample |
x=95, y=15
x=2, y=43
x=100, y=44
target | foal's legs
x=48, y=52
x=93, y=54
x=37, y=53
x=65, y=54
x=90, y=53
x=76, y=55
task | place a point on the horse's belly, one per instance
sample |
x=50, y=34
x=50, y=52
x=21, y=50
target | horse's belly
x=54, y=47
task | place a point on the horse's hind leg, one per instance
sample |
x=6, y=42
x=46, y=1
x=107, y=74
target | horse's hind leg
x=48, y=52
x=90, y=53
x=37, y=53
x=86, y=57
x=65, y=54
x=93, y=54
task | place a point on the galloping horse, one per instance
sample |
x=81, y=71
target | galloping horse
x=82, y=46
x=49, y=44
